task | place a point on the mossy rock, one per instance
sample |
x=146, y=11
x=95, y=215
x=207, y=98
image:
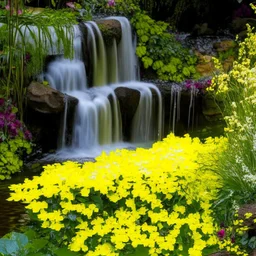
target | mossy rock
x=110, y=29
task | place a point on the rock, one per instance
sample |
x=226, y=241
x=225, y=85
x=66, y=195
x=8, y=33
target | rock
x=248, y=208
x=128, y=102
x=202, y=30
x=47, y=100
x=44, y=114
x=224, y=45
x=110, y=29
x=205, y=66
x=220, y=254
x=205, y=69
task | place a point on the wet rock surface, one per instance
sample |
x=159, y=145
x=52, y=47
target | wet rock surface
x=128, y=101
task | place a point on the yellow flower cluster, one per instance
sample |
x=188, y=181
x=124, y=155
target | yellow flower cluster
x=159, y=198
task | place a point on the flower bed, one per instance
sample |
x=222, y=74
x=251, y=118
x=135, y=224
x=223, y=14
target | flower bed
x=158, y=198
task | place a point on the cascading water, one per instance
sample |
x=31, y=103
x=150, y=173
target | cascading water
x=191, y=110
x=147, y=122
x=96, y=44
x=174, y=106
x=127, y=61
x=97, y=119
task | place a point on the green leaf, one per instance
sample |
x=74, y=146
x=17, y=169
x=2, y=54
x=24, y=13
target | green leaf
x=140, y=251
x=244, y=239
x=36, y=254
x=98, y=201
x=252, y=242
x=65, y=252
x=8, y=246
x=38, y=244
x=20, y=238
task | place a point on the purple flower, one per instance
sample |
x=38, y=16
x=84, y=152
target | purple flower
x=111, y=3
x=18, y=124
x=10, y=117
x=221, y=233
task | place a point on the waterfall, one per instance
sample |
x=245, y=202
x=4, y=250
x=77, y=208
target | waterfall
x=191, y=109
x=97, y=120
x=97, y=46
x=127, y=63
x=147, y=123
x=175, y=99
x=112, y=61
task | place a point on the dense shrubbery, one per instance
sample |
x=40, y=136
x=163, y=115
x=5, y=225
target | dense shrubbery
x=159, y=50
x=158, y=198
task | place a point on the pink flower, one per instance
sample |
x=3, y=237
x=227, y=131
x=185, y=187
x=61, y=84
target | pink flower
x=7, y=7
x=111, y=3
x=19, y=12
x=221, y=233
x=70, y=5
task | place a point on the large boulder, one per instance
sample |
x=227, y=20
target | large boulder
x=45, y=99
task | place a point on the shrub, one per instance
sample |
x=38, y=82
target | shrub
x=14, y=140
x=158, y=198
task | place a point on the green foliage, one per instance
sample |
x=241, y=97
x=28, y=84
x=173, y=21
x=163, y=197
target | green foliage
x=11, y=153
x=161, y=50
x=158, y=49
x=30, y=244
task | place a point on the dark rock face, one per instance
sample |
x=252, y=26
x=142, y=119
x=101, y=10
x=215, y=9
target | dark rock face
x=128, y=101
